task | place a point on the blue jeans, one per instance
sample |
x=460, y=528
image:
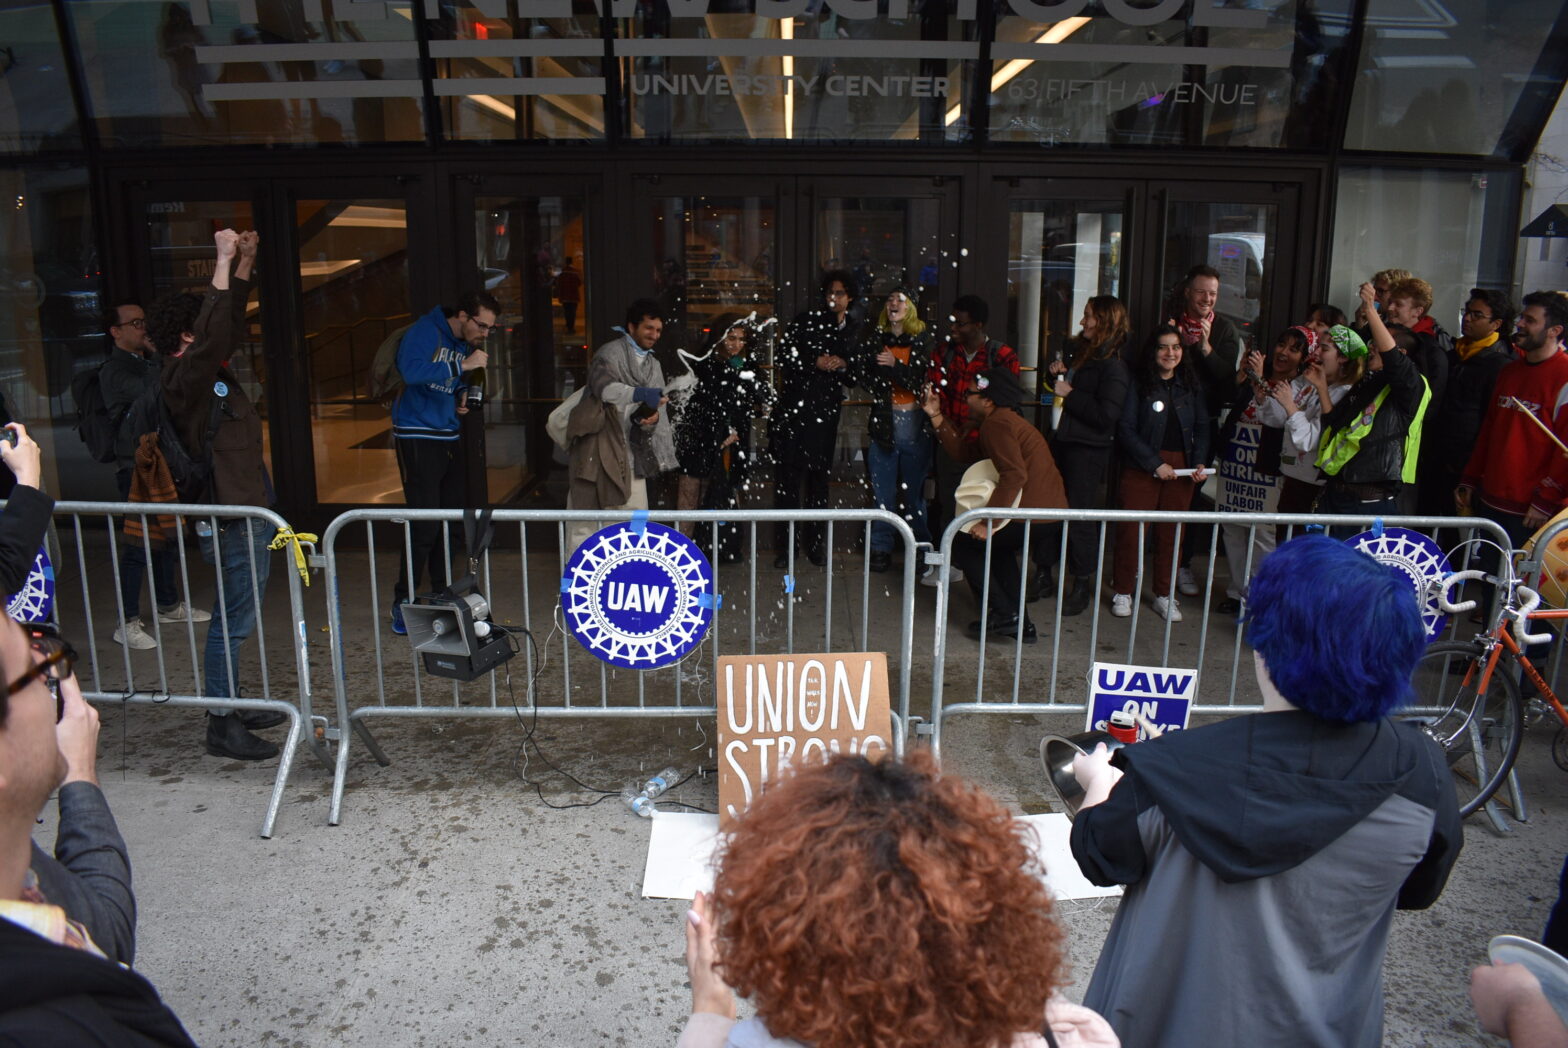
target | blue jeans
x=898, y=478
x=234, y=610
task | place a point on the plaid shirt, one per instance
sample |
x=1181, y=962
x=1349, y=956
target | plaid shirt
x=953, y=376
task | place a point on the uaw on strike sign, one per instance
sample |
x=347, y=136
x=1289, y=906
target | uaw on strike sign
x=1159, y=695
x=778, y=709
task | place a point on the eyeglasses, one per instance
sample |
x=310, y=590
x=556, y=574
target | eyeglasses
x=140, y=323
x=1476, y=314
x=484, y=328
x=59, y=661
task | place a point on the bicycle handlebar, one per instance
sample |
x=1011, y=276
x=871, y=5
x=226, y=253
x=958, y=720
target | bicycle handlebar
x=1448, y=582
x=1532, y=600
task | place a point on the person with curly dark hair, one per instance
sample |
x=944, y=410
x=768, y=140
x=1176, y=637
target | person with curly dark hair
x=862, y=903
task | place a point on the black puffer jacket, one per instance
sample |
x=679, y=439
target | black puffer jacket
x=804, y=425
x=1092, y=410
x=1454, y=420
x=878, y=380
x=726, y=398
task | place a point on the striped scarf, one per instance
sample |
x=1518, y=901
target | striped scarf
x=151, y=481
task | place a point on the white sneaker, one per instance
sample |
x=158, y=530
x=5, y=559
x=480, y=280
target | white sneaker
x=132, y=635
x=1187, y=584
x=933, y=576
x=1167, y=608
x=1121, y=605
x=182, y=611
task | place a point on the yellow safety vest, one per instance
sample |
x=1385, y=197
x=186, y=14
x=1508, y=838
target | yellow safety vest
x=1338, y=446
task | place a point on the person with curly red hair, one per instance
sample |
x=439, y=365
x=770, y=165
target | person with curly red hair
x=862, y=903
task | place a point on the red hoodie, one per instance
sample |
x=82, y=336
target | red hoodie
x=1514, y=465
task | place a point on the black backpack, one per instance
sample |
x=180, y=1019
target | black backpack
x=192, y=474
x=93, y=422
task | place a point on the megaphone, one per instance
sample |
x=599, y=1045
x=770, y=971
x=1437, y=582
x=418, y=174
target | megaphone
x=454, y=635
x=1057, y=753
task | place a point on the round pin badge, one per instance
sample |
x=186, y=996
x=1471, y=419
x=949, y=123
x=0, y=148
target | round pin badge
x=220, y=388
x=638, y=595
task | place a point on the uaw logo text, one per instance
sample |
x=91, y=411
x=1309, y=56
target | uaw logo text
x=638, y=595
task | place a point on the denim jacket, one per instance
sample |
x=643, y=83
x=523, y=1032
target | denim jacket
x=1141, y=429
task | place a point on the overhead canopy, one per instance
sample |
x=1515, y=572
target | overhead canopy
x=1553, y=222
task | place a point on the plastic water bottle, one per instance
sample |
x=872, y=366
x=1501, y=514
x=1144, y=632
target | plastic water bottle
x=641, y=800
x=661, y=782
x=638, y=801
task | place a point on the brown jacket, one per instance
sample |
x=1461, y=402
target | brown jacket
x=238, y=470
x=600, y=470
x=1022, y=458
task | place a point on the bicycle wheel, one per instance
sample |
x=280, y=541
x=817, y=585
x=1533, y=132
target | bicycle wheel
x=1479, y=733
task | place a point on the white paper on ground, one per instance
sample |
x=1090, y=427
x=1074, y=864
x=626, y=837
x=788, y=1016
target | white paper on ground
x=1062, y=875
x=680, y=854
x=681, y=846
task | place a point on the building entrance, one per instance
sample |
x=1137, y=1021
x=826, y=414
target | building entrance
x=346, y=261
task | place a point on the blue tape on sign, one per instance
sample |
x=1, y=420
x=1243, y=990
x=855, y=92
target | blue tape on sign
x=639, y=522
x=566, y=583
x=789, y=584
x=1377, y=526
x=710, y=600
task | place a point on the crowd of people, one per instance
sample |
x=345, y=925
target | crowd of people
x=1384, y=413
x=1375, y=414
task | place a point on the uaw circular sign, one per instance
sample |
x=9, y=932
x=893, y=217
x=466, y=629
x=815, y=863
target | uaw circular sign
x=1417, y=558
x=638, y=595
x=34, y=602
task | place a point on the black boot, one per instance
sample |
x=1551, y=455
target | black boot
x=256, y=720
x=1077, y=599
x=228, y=737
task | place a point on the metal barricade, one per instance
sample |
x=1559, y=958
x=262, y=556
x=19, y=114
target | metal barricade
x=88, y=537
x=1056, y=679
x=775, y=611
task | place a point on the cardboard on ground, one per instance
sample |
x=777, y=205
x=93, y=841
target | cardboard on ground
x=683, y=844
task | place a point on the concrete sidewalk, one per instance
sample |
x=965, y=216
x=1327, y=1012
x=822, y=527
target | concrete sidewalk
x=453, y=907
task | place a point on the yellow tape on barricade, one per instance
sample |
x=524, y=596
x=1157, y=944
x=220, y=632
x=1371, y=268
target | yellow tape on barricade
x=290, y=537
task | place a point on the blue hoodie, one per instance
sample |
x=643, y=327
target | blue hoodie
x=430, y=359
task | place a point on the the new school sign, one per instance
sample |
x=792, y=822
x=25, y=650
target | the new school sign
x=1161, y=695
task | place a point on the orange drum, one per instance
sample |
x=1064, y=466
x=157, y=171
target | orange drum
x=1553, y=583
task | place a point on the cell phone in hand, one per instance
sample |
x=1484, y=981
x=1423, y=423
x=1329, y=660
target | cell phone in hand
x=1257, y=382
x=8, y=435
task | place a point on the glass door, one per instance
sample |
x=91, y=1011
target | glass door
x=1067, y=241
x=532, y=252
x=351, y=269
x=1244, y=232
x=901, y=236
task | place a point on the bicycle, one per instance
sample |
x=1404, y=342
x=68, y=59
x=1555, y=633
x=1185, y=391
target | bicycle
x=1474, y=712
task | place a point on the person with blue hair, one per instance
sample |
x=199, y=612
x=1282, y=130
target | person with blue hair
x=1264, y=855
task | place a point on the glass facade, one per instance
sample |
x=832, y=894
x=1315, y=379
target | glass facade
x=1434, y=223
x=1446, y=78
x=571, y=155
x=1170, y=74
x=37, y=112
x=502, y=78
x=251, y=73
x=51, y=315
x=835, y=74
